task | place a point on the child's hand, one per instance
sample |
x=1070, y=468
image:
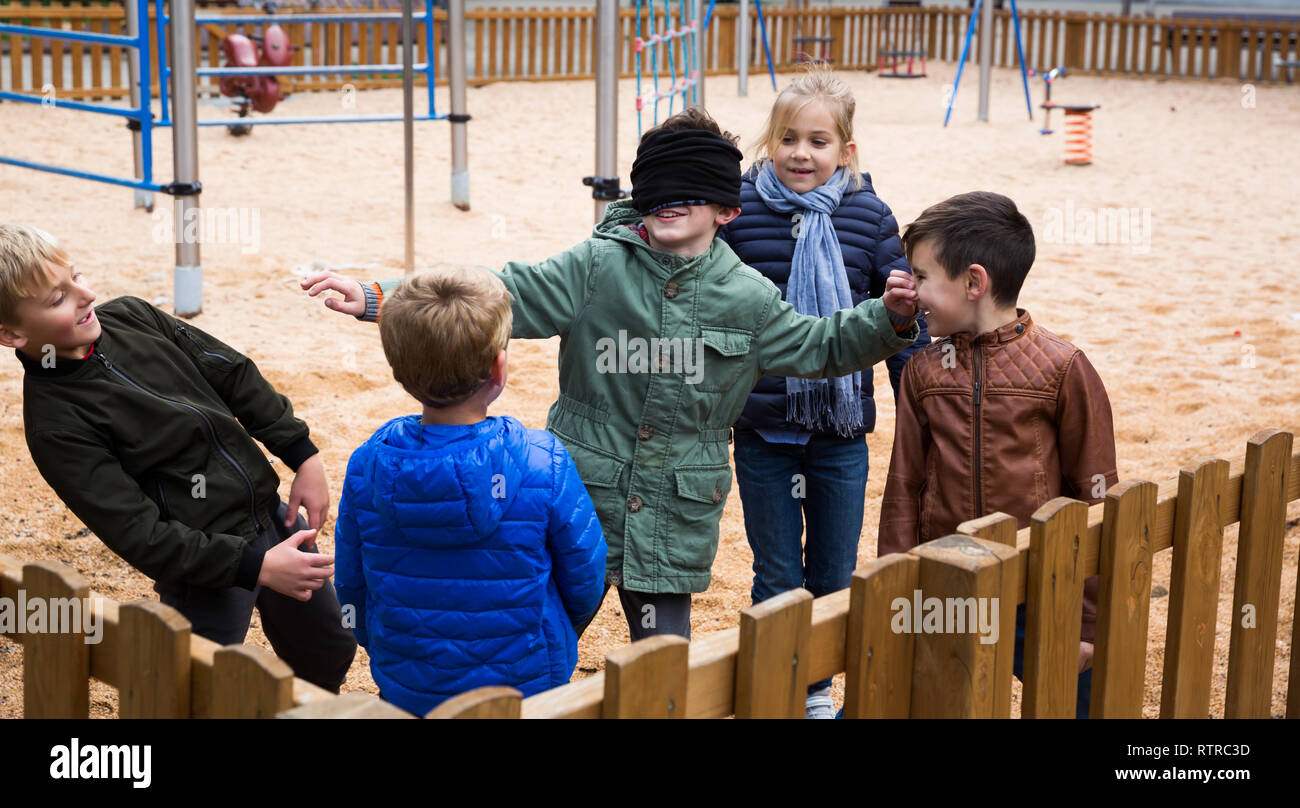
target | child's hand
x=311, y=491
x=291, y=572
x=353, y=301
x=900, y=294
x=1085, y=655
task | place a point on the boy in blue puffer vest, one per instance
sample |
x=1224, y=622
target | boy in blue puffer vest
x=467, y=548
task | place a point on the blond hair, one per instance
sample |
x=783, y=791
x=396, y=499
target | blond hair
x=26, y=254
x=442, y=331
x=816, y=83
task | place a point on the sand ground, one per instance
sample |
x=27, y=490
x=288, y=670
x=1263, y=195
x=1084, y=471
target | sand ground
x=1193, y=321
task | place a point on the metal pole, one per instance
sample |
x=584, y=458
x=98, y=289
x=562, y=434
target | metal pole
x=143, y=198
x=697, y=12
x=408, y=135
x=606, y=94
x=456, y=78
x=187, y=276
x=986, y=57
x=742, y=48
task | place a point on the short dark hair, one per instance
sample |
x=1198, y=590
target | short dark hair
x=694, y=118
x=982, y=228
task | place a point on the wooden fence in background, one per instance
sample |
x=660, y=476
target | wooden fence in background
x=556, y=44
x=762, y=667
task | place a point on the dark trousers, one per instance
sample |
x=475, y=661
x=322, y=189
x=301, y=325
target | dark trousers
x=822, y=483
x=1084, y=698
x=650, y=614
x=308, y=635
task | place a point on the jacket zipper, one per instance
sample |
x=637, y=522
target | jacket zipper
x=180, y=329
x=979, y=378
x=212, y=431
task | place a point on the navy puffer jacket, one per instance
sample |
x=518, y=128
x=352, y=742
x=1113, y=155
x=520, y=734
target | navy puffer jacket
x=868, y=233
x=468, y=554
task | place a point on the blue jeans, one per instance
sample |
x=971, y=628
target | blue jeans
x=830, y=495
x=1084, y=698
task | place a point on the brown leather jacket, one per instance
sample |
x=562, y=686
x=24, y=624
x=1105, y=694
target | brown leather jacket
x=1001, y=422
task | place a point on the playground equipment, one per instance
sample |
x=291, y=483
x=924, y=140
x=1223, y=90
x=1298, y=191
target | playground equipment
x=679, y=47
x=1078, y=133
x=894, y=56
x=1047, y=105
x=761, y=668
x=894, y=50
x=800, y=41
x=260, y=93
x=983, y=12
x=742, y=43
x=180, y=74
x=1078, y=121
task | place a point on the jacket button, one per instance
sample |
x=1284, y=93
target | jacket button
x=645, y=433
x=717, y=495
x=671, y=290
x=633, y=504
x=1020, y=328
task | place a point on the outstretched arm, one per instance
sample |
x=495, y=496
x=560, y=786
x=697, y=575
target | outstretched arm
x=548, y=296
x=794, y=344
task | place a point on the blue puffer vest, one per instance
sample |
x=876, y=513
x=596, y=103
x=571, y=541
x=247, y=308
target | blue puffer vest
x=468, y=554
x=868, y=233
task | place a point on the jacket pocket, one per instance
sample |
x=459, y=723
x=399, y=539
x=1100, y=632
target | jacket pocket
x=702, y=492
x=596, y=468
x=723, y=359
x=926, y=496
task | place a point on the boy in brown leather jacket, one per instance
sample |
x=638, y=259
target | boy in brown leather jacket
x=998, y=414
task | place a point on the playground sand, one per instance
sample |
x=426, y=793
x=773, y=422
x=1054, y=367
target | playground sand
x=1188, y=321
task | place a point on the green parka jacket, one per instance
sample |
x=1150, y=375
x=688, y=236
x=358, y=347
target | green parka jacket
x=657, y=356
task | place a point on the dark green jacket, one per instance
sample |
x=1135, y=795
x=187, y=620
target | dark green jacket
x=148, y=442
x=658, y=354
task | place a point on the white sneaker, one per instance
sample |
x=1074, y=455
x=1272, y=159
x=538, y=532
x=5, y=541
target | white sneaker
x=820, y=705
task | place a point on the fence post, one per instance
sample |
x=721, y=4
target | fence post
x=997, y=527
x=1076, y=30
x=153, y=661
x=1259, y=575
x=348, y=705
x=1194, y=590
x=878, y=660
x=485, y=702
x=248, y=682
x=1054, y=608
x=56, y=663
x=962, y=669
x=1123, y=601
x=773, y=660
x=647, y=679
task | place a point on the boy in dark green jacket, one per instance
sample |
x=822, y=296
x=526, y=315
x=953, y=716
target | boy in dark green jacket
x=664, y=333
x=144, y=427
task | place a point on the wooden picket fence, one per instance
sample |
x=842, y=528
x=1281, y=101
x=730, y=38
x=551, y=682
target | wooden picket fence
x=556, y=44
x=762, y=667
